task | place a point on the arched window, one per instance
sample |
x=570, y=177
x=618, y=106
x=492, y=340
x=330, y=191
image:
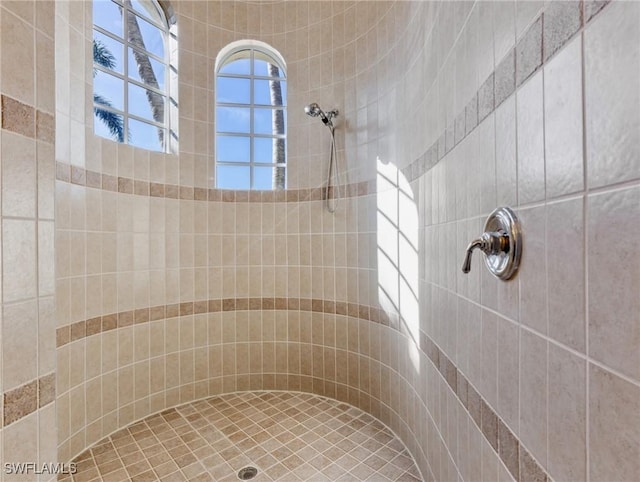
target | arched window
x=132, y=72
x=251, y=117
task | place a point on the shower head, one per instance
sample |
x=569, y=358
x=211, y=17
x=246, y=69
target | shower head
x=314, y=110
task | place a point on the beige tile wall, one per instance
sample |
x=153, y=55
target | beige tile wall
x=27, y=305
x=118, y=251
x=520, y=377
x=540, y=349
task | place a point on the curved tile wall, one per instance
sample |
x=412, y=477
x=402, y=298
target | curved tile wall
x=139, y=234
x=367, y=305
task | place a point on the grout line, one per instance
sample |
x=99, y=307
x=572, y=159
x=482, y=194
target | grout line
x=618, y=186
x=547, y=338
x=442, y=356
x=409, y=168
x=585, y=230
x=585, y=233
x=543, y=72
x=37, y=231
x=246, y=397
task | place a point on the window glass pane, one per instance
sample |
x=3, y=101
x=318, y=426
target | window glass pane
x=108, y=52
x=145, y=135
x=232, y=149
x=265, y=149
x=260, y=67
x=156, y=73
x=237, y=64
x=263, y=178
x=263, y=66
x=151, y=38
x=107, y=15
x=233, y=177
x=108, y=124
x=148, y=9
x=141, y=100
x=233, y=90
x=262, y=92
x=109, y=90
x=233, y=119
x=263, y=121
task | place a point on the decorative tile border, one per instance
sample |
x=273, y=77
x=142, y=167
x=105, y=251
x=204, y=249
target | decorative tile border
x=556, y=25
x=26, y=120
x=26, y=399
x=519, y=462
x=559, y=23
x=516, y=458
x=83, y=177
x=554, y=28
x=82, y=329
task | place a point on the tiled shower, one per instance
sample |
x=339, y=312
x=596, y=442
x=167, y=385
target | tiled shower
x=136, y=296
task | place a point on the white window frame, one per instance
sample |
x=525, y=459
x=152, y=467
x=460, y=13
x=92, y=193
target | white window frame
x=166, y=61
x=226, y=56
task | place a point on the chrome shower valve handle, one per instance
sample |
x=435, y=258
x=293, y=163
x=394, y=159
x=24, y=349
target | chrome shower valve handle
x=501, y=243
x=488, y=243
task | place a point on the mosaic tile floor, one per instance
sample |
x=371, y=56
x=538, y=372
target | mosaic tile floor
x=286, y=436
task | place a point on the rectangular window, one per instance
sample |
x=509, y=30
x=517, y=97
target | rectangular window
x=250, y=121
x=131, y=100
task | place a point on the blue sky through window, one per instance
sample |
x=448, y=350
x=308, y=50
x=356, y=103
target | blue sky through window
x=233, y=90
x=106, y=14
x=240, y=66
x=233, y=149
x=233, y=119
x=109, y=87
x=153, y=38
x=263, y=178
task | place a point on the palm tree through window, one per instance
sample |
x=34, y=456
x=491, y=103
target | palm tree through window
x=132, y=73
x=251, y=92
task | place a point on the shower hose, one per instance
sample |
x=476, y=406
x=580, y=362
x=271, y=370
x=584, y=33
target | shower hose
x=333, y=193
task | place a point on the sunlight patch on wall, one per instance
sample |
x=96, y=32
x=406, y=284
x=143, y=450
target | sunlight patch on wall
x=397, y=251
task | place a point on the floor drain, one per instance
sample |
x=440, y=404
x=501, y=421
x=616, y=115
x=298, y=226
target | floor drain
x=247, y=473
